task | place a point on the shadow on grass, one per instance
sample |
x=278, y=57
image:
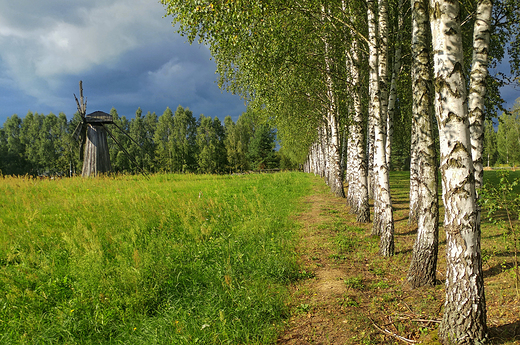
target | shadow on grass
x=404, y=251
x=411, y=232
x=505, y=333
x=497, y=269
x=493, y=236
x=400, y=206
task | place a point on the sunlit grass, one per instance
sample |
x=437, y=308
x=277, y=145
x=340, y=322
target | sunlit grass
x=176, y=259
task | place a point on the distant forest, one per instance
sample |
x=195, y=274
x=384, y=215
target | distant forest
x=173, y=142
x=178, y=142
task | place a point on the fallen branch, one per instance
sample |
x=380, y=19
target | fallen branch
x=423, y=320
x=385, y=331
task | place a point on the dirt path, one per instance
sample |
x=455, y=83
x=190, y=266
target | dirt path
x=351, y=295
x=316, y=320
x=327, y=305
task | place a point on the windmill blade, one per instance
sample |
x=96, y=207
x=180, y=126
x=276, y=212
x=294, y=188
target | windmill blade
x=126, y=152
x=122, y=131
x=82, y=139
x=80, y=135
x=80, y=128
x=82, y=105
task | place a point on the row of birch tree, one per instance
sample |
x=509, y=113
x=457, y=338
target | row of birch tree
x=335, y=76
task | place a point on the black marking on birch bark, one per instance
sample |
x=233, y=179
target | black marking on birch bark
x=455, y=163
x=457, y=68
x=435, y=12
x=451, y=32
x=458, y=147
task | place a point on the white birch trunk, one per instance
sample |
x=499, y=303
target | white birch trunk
x=370, y=151
x=383, y=65
x=464, y=319
x=417, y=34
x=333, y=147
x=360, y=202
x=374, y=106
x=393, y=85
x=414, y=184
x=334, y=169
x=423, y=266
x=477, y=86
x=350, y=176
x=383, y=217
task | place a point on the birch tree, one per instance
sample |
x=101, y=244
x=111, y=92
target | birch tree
x=477, y=86
x=333, y=147
x=392, y=96
x=423, y=266
x=358, y=188
x=464, y=318
x=383, y=223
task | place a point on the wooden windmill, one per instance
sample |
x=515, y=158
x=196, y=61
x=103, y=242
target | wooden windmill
x=91, y=133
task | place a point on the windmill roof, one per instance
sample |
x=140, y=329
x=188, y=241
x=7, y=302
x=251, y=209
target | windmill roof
x=99, y=117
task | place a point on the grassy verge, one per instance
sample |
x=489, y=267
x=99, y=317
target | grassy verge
x=178, y=259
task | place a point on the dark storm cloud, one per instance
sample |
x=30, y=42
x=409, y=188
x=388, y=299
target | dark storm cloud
x=126, y=53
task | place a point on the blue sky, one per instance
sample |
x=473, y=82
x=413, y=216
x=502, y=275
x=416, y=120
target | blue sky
x=125, y=51
x=127, y=54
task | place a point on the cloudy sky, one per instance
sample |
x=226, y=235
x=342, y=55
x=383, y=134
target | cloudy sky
x=127, y=54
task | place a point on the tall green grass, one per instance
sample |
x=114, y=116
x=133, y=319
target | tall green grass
x=177, y=259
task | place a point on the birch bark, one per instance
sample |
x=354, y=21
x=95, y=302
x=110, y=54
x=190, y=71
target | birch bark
x=414, y=185
x=351, y=179
x=374, y=107
x=423, y=266
x=393, y=85
x=333, y=147
x=464, y=318
x=360, y=201
x=477, y=86
x=383, y=217
x=383, y=66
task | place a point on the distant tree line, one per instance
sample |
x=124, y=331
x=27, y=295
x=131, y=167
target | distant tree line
x=173, y=142
x=502, y=147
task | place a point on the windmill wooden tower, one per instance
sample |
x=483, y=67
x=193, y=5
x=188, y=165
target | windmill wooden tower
x=92, y=136
x=91, y=133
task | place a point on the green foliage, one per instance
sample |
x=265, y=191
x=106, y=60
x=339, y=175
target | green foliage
x=508, y=137
x=177, y=259
x=118, y=158
x=261, y=148
x=490, y=144
x=172, y=142
x=237, y=141
x=502, y=203
x=184, y=148
x=142, y=131
x=286, y=162
x=163, y=141
x=212, y=156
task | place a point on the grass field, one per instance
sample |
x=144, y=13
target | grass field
x=186, y=259
x=178, y=259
